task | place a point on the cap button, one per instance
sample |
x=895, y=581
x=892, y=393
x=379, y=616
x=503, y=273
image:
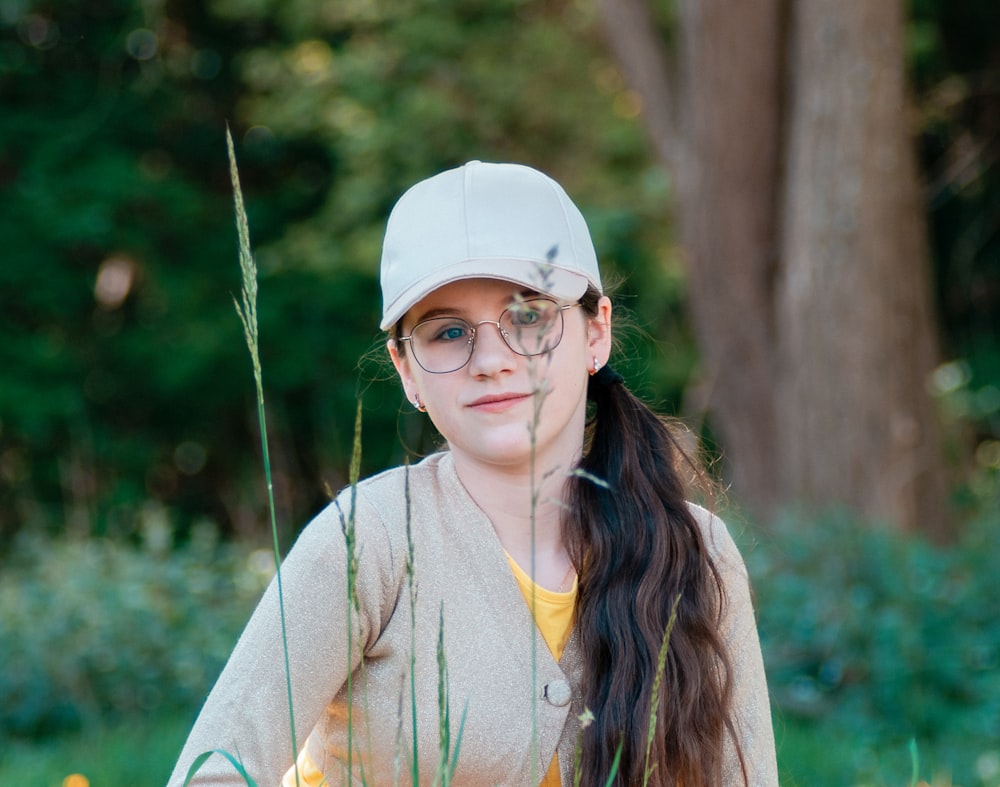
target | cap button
x=557, y=693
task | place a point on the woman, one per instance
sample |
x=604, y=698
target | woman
x=544, y=560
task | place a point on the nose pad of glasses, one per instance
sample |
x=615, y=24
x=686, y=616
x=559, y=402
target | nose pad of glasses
x=476, y=337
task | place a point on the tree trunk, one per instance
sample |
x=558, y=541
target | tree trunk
x=785, y=127
x=853, y=307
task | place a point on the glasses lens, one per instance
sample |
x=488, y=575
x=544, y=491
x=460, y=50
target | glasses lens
x=442, y=344
x=532, y=327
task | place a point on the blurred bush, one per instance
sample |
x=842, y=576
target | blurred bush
x=879, y=633
x=870, y=638
x=96, y=631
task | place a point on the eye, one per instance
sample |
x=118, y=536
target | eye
x=530, y=313
x=445, y=330
x=453, y=333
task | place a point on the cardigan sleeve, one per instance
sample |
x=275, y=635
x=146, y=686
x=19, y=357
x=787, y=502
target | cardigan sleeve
x=751, y=704
x=246, y=713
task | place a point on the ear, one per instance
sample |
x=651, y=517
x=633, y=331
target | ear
x=599, y=331
x=402, y=364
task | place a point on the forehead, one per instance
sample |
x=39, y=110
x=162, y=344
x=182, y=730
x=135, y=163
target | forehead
x=468, y=297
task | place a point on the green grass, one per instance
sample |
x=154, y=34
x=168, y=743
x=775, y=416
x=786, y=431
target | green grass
x=826, y=754
x=810, y=754
x=133, y=753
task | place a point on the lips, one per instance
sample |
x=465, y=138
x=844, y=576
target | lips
x=498, y=402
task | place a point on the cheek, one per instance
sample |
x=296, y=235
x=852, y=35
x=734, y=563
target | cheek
x=438, y=394
x=578, y=344
x=404, y=369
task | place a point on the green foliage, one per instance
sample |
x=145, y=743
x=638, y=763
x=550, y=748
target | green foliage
x=125, y=754
x=114, y=307
x=968, y=393
x=870, y=639
x=955, y=68
x=93, y=631
x=884, y=638
x=122, y=379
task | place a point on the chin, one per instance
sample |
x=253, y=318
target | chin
x=502, y=453
x=516, y=455
x=505, y=456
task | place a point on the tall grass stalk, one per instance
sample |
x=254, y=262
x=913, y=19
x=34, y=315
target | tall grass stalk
x=538, y=396
x=347, y=525
x=246, y=308
x=586, y=719
x=412, y=589
x=201, y=759
x=661, y=662
x=447, y=759
x=615, y=765
x=914, y=763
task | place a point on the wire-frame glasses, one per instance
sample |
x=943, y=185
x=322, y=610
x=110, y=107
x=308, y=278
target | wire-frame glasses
x=531, y=326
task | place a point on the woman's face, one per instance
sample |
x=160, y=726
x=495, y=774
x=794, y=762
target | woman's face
x=487, y=409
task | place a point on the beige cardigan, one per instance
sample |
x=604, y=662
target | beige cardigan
x=462, y=575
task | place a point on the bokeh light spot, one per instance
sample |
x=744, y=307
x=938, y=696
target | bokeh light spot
x=115, y=278
x=142, y=44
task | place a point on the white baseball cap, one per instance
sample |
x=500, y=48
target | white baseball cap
x=481, y=220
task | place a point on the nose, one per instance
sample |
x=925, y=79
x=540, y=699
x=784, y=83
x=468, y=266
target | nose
x=490, y=353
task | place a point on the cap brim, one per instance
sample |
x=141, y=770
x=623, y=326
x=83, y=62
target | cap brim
x=537, y=275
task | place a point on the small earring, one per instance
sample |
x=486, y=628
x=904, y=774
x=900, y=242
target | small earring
x=597, y=366
x=418, y=404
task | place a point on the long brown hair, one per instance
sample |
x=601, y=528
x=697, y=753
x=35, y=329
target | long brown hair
x=638, y=549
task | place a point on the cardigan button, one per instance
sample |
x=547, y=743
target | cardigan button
x=558, y=693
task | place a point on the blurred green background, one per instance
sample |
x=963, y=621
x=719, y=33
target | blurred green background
x=132, y=504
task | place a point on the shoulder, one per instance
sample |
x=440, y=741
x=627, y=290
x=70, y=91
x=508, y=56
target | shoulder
x=426, y=472
x=719, y=541
x=373, y=514
x=388, y=497
x=390, y=489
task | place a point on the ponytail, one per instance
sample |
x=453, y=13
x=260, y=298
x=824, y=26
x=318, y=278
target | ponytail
x=638, y=549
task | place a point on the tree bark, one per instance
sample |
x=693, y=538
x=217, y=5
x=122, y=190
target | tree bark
x=785, y=127
x=853, y=305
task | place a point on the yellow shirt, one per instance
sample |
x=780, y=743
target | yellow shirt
x=553, y=611
x=554, y=618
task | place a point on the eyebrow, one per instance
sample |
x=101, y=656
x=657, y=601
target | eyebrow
x=451, y=311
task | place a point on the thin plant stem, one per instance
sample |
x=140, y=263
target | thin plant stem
x=586, y=719
x=246, y=308
x=616, y=763
x=411, y=586
x=447, y=758
x=914, y=763
x=444, y=727
x=661, y=662
x=537, y=398
x=201, y=758
x=539, y=393
x=353, y=606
